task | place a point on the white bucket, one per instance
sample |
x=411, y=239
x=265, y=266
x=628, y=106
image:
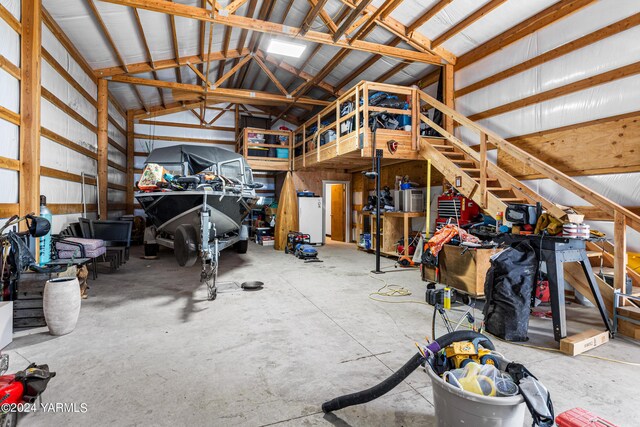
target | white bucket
x=456, y=407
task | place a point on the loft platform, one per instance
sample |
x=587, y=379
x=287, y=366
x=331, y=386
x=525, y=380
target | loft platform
x=266, y=150
x=337, y=137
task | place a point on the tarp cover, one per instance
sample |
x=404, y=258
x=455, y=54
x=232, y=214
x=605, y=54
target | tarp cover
x=508, y=288
x=198, y=157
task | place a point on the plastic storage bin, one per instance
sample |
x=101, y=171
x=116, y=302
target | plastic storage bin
x=455, y=407
x=282, y=153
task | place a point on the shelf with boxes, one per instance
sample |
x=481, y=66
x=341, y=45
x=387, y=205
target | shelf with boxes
x=266, y=150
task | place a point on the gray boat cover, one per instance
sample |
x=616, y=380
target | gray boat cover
x=199, y=157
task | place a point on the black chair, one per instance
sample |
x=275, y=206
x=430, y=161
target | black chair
x=117, y=236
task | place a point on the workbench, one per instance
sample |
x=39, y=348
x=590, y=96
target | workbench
x=394, y=226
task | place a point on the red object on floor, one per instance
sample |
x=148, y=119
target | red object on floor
x=578, y=417
x=542, y=291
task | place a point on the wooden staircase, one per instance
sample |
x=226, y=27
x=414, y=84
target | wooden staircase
x=493, y=188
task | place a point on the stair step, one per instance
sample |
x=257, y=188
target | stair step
x=630, y=311
x=450, y=154
x=488, y=179
x=594, y=254
x=498, y=188
x=512, y=199
x=470, y=169
x=442, y=147
x=466, y=162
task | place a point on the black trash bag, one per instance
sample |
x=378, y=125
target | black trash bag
x=508, y=287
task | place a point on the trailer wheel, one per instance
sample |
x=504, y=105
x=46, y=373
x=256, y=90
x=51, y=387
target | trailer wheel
x=185, y=245
x=241, y=246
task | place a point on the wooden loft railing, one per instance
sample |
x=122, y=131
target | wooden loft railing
x=265, y=149
x=476, y=179
x=332, y=139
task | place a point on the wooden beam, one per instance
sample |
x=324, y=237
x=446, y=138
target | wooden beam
x=46, y=94
x=30, y=89
x=297, y=72
x=49, y=134
x=235, y=5
x=9, y=116
x=355, y=13
x=323, y=15
x=243, y=94
x=552, y=54
x=187, y=125
x=449, y=95
x=540, y=20
x=176, y=48
x=184, y=139
x=231, y=72
x=198, y=13
x=103, y=141
x=251, y=8
x=609, y=76
x=130, y=161
x=271, y=76
x=311, y=16
x=145, y=67
x=386, y=8
x=11, y=20
x=620, y=254
x=10, y=68
x=68, y=45
x=10, y=164
x=594, y=213
x=427, y=15
x=475, y=16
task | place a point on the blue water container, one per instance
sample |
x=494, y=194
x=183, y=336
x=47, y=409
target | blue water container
x=45, y=241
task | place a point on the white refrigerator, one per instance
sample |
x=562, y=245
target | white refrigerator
x=310, y=218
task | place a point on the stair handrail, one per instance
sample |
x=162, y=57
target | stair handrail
x=543, y=168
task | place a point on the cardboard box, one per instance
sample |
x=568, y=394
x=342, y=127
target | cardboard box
x=466, y=272
x=583, y=341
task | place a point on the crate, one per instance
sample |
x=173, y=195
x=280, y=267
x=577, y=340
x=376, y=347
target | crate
x=27, y=307
x=282, y=153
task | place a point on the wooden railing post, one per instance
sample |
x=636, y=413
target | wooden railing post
x=357, y=117
x=337, y=122
x=620, y=251
x=415, y=119
x=304, y=145
x=365, y=113
x=483, y=169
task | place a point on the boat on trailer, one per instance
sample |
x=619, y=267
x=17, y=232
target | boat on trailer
x=196, y=198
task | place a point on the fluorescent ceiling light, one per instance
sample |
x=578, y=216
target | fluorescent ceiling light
x=278, y=47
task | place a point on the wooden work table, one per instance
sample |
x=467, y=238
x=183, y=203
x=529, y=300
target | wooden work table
x=395, y=226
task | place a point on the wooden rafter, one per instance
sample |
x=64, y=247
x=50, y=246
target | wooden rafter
x=324, y=16
x=478, y=14
x=206, y=77
x=217, y=116
x=383, y=11
x=198, y=13
x=277, y=63
x=540, y=20
x=269, y=74
x=107, y=34
x=256, y=37
x=355, y=13
x=243, y=34
x=427, y=15
x=219, y=93
x=225, y=48
x=164, y=64
x=122, y=62
x=235, y=5
x=311, y=16
x=176, y=47
x=297, y=72
x=301, y=90
x=147, y=50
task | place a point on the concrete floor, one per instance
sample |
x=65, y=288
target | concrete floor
x=149, y=349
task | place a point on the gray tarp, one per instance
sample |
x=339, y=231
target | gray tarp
x=198, y=157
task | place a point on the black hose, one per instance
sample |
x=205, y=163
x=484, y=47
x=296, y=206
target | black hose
x=397, y=377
